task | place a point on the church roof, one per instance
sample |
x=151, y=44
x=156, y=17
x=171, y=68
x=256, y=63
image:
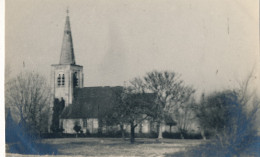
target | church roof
x=67, y=52
x=92, y=102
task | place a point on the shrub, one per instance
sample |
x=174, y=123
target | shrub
x=231, y=124
x=178, y=135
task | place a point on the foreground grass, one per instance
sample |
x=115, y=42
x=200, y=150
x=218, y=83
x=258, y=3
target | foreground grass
x=117, y=146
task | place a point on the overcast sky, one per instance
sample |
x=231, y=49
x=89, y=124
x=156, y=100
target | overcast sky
x=212, y=44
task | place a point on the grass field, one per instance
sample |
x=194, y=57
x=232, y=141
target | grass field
x=116, y=147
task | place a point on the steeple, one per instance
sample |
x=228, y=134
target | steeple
x=67, y=52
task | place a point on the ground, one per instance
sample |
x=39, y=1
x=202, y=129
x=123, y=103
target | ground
x=116, y=147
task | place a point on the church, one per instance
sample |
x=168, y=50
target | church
x=84, y=106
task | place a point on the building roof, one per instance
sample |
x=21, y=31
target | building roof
x=92, y=102
x=67, y=52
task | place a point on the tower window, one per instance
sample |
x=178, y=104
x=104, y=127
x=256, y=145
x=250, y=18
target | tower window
x=63, y=79
x=75, y=80
x=59, y=80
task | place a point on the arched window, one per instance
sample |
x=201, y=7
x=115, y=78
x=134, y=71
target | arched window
x=63, y=79
x=58, y=80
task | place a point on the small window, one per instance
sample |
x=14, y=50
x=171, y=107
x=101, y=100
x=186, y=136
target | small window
x=59, y=80
x=95, y=123
x=63, y=79
x=85, y=123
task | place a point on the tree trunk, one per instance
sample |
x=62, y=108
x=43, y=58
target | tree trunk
x=122, y=131
x=182, y=137
x=203, y=134
x=160, y=131
x=182, y=133
x=100, y=126
x=132, y=137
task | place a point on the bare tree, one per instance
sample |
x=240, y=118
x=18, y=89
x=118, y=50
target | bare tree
x=184, y=116
x=170, y=92
x=132, y=108
x=136, y=107
x=29, y=96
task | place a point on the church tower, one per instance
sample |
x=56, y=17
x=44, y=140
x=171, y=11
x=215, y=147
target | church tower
x=67, y=75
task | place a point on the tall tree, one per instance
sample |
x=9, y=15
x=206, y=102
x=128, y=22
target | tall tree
x=170, y=92
x=29, y=95
x=132, y=108
x=137, y=108
x=57, y=110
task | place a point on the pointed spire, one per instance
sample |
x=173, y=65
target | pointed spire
x=67, y=52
